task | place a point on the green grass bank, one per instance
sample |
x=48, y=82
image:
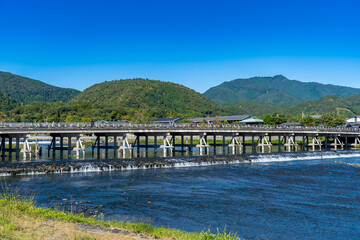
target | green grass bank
x=20, y=218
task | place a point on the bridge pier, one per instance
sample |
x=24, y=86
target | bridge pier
x=326, y=143
x=9, y=149
x=346, y=143
x=280, y=140
x=79, y=146
x=316, y=142
x=168, y=144
x=337, y=143
x=307, y=143
x=303, y=143
x=125, y=145
x=236, y=142
x=253, y=146
x=52, y=146
x=38, y=149
x=137, y=141
x=356, y=142
x=214, y=145
x=191, y=142
x=203, y=144
x=115, y=147
x=290, y=143
x=155, y=143
x=223, y=144
x=264, y=143
x=182, y=143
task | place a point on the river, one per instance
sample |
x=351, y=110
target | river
x=281, y=197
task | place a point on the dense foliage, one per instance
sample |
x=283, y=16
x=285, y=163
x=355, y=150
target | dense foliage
x=255, y=108
x=277, y=90
x=84, y=112
x=329, y=120
x=26, y=90
x=6, y=104
x=347, y=106
x=161, y=98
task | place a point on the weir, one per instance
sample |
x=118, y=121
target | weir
x=183, y=138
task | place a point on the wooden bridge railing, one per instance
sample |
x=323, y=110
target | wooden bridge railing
x=85, y=126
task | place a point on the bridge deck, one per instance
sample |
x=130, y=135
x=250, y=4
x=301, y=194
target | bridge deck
x=178, y=129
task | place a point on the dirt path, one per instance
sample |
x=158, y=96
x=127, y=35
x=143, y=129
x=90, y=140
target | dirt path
x=47, y=229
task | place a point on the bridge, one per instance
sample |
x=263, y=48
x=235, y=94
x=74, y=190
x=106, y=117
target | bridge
x=183, y=137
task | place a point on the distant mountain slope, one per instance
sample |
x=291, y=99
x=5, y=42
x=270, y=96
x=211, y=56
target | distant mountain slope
x=277, y=90
x=6, y=103
x=256, y=108
x=329, y=104
x=145, y=94
x=27, y=90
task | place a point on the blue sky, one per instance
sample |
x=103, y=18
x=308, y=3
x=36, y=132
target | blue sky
x=195, y=43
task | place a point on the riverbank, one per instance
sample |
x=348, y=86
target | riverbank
x=21, y=219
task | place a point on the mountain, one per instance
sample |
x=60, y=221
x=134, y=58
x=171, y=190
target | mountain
x=150, y=94
x=329, y=104
x=276, y=90
x=27, y=90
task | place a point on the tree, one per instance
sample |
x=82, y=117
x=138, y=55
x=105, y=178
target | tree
x=307, y=121
x=69, y=119
x=274, y=119
x=268, y=120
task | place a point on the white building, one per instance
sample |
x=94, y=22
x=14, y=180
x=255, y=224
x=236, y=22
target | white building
x=355, y=119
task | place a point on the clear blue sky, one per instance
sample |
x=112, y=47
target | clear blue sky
x=195, y=43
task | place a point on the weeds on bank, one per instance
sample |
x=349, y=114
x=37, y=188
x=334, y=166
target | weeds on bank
x=84, y=238
x=12, y=204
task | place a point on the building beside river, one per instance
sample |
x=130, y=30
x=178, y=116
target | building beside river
x=168, y=121
x=353, y=122
x=220, y=119
x=241, y=119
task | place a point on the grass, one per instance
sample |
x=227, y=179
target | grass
x=20, y=218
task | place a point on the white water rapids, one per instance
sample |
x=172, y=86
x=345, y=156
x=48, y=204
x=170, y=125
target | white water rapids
x=183, y=162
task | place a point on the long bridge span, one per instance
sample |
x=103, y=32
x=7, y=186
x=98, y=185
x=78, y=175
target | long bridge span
x=168, y=137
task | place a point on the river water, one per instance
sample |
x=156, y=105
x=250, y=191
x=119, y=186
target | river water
x=287, y=199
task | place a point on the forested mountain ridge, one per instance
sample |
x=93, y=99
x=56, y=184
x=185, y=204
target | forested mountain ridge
x=135, y=100
x=143, y=93
x=27, y=90
x=256, y=108
x=329, y=104
x=6, y=103
x=276, y=90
